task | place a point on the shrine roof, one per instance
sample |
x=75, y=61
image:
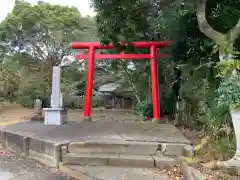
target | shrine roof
x=110, y=87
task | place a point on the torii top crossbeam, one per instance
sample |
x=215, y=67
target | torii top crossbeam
x=91, y=56
x=96, y=45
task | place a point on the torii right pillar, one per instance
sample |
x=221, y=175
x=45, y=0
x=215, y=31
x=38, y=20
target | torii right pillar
x=155, y=87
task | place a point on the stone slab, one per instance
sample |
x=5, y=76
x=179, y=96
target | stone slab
x=86, y=159
x=132, y=161
x=109, y=160
x=116, y=147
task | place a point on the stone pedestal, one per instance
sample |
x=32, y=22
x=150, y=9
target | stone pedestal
x=55, y=116
x=235, y=113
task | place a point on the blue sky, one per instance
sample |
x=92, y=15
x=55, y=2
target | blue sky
x=82, y=5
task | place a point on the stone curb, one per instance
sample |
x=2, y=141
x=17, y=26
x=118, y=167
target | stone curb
x=190, y=173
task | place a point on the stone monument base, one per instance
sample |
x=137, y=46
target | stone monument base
x=37, y=118
x=55, y=116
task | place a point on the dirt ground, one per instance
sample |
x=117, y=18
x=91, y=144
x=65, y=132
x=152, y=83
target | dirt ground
x=15, y=113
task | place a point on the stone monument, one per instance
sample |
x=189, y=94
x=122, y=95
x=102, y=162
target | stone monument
x=235, y=114
x=37, y=111
x=56, y=114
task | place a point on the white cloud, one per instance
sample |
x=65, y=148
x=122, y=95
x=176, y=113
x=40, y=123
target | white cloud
x=82, y=5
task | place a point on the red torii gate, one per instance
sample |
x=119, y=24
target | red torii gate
x=91, y=56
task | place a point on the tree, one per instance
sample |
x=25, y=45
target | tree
x=36, y=37
x=44, y=30
x=176, y=20
x=141, y=21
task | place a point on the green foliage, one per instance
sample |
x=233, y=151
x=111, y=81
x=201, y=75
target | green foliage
x=144, y=109
x=225, y=68
x=190, y=45
x=26, y=101
x=44, y=31
x=229, y=92
x=121, y=20
x=216, y=118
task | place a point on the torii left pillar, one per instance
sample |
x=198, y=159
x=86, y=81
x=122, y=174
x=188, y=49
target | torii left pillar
x=155, y=87
x=89, y=85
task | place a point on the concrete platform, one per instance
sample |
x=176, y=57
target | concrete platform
x=97, y=130
x=46, y=143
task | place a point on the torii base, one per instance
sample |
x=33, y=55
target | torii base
x=158, y=121
x=87, y=119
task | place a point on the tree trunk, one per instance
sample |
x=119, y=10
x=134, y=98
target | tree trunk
x=206, y=28
x=234, y=33
x=225, y=41
x=133, y=86
x=225, y=51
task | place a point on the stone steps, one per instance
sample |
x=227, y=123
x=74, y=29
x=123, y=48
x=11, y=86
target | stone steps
x=123, y=153
x=129, y=147
x=118, y=160
x=114, y=147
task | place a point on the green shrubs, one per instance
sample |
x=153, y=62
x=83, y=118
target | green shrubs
x=26, y=101
x=229, y=92
x=144, y=110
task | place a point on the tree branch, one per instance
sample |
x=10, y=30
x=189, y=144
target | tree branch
x=204, y=26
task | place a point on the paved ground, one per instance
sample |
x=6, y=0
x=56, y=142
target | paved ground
x=13, y=167
x=165, y=133
x=122, y=173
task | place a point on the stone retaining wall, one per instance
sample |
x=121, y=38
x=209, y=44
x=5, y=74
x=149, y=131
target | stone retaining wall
x=43, y=151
